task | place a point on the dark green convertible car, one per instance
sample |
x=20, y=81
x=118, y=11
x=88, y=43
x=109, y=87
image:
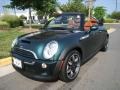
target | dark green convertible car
x=58, y=51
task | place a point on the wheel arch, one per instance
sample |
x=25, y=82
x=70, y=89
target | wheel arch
x=79, y=50
x=65, y=52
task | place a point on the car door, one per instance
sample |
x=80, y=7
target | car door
x=99, y=34
x=90, y=42
x=102, y=34
x=97, y=39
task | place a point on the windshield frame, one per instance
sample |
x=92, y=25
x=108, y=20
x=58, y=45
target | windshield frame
x=73, y=14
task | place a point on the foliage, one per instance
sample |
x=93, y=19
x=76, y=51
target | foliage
x=99, y=12
x=4, y=25
x=6, y=38
x=108, y=16
x=12, y=20
x=42, y=5
x=74, y=6
x=8, y=6
x=108, y=20
x=21, y=23
x=22, y=17
x=41, y=13
x=115, y=15
x=35, y=26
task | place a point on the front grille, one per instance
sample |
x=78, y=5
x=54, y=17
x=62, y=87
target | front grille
x=24, y=53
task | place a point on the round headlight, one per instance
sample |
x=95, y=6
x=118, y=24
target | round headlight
x=50, y=49
x=14, y=42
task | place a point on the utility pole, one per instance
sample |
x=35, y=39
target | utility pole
x=116, y=6
x=90, y=6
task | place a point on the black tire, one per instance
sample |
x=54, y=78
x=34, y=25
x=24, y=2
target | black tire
x=105, y=47
x=71, y=66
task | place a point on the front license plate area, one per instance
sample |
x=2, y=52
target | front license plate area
x=17, y=62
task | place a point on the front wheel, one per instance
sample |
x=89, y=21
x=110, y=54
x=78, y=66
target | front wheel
x=71, y=66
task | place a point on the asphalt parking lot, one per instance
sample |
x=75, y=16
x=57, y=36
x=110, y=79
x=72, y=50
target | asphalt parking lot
x=102, y=72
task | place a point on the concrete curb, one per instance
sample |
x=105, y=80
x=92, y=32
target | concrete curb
x=111, y=30
x=111, y=23
x=7, y=61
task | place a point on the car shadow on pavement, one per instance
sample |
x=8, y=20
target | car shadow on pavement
x=17, y=80
x=67, y=86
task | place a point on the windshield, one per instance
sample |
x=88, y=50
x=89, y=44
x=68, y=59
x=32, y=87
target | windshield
x=64, y=22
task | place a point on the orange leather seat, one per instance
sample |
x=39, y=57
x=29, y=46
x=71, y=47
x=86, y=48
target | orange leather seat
x=93, y=21
x=87, y=25
x=90, y=23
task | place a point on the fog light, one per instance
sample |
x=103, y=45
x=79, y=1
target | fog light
x=44, y=65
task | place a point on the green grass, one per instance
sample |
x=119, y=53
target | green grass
x=35, y=26
x=6, y=38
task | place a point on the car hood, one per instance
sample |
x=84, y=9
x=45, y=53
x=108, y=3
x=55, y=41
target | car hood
x=37, y=41
x=43, y=35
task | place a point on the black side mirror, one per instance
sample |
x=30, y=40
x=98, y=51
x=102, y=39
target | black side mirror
x=93, y=28
x=101, y=22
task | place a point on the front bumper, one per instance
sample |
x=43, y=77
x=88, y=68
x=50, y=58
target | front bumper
x=36, y=71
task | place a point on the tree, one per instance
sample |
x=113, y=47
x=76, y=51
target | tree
x=39, y=5
x=43, y=5
x=23, y=17
x=115, y=15
x=74, y=6
x=99, y=12
x=10, y=7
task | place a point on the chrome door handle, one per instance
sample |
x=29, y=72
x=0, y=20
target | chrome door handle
x=84, y=37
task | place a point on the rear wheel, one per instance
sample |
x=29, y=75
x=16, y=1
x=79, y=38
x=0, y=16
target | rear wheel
x=71, y=66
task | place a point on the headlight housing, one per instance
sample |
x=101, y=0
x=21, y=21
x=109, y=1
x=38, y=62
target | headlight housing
x=14, y=42
x=50, y=49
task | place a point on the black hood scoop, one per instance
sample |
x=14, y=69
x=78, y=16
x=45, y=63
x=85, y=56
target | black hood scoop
x=25, y=41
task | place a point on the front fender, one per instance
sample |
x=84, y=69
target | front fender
x=66, y=50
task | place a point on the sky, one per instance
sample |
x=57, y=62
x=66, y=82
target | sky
x=108, y=4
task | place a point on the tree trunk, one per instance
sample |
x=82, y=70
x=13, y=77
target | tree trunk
x=30, y=19
x=14, y=11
